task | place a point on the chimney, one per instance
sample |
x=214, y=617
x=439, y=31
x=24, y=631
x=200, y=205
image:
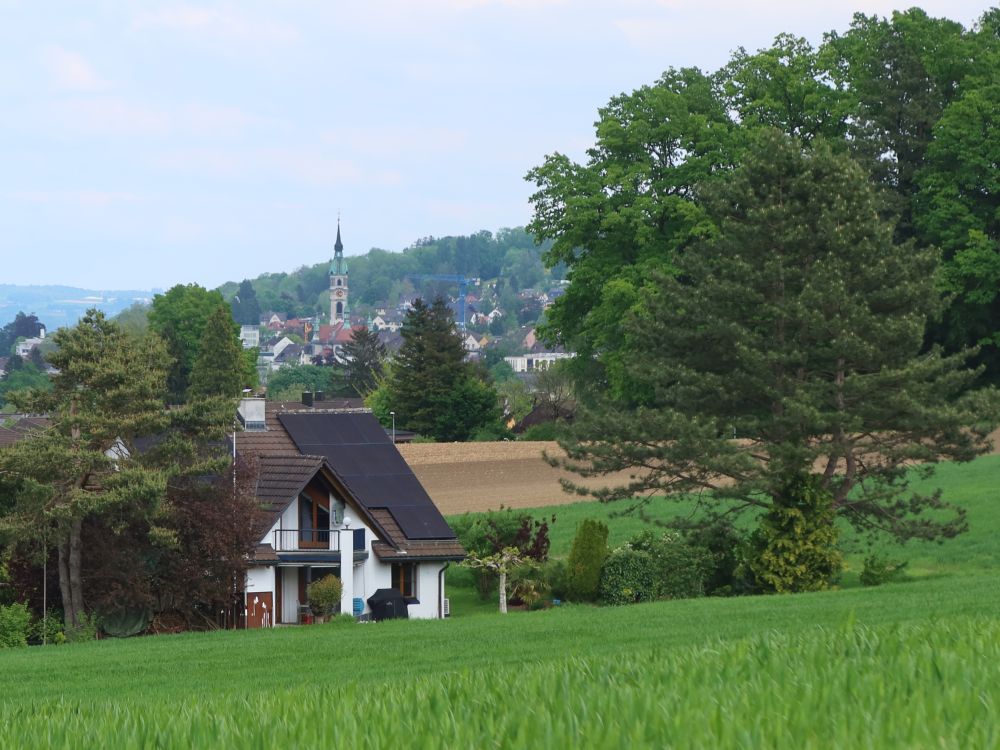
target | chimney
x=307, y=398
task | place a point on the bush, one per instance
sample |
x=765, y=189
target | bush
x=586, y=558
x=555, y=578
x=879, y=570
x=15, y=619
x=628, y=576
x=48, y=631
x=546, y=431
x=795, y=546
x=527, y=584
x=324, y=594
x=485, y=534
x=85, y=631
x=680, y=569
x=724, y=542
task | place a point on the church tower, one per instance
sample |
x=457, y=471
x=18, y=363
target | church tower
x=338, y=283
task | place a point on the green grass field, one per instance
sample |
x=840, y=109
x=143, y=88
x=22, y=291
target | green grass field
x=912, y=664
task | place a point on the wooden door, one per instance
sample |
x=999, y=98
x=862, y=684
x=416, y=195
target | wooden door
x=260, y=609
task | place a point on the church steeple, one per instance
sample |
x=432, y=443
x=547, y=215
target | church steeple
x=338, y=282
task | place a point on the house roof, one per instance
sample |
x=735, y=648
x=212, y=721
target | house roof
x=282, y=476
x=353, y=450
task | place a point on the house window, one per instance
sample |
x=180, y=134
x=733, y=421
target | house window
x=340, y=282
x=404, y=579
x=314, y=522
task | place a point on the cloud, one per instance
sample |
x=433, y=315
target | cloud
x=229, y=25
x=72, y=71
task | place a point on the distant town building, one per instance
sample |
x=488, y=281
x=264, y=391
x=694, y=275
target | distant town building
x=536, y=361
x=338, y=283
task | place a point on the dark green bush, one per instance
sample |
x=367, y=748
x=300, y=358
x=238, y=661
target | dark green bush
x=879, y=570
x=48, y=631
x=586, y=558
x=629, y=576
x=546, y=431
x=527, y=584
x=680, y=569
x=724, y=543
x=15, y=620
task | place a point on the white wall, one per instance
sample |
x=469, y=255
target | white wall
x=427, y=591
x=260, y=579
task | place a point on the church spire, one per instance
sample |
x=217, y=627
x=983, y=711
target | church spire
x=338, y=282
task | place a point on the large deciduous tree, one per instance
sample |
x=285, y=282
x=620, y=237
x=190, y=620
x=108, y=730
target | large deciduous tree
x=179, y=317
x=796, y=326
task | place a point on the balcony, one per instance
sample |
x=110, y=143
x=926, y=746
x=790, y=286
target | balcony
x=306, y=540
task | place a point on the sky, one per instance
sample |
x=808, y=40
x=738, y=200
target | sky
x=145, y=144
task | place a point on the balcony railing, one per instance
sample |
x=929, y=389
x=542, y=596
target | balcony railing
x=306, y=540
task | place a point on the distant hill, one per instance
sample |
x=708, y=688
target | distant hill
x=58, y=306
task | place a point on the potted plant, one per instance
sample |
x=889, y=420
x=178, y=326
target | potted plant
x=324, y=595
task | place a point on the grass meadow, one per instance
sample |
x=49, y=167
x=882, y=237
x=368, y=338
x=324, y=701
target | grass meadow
x=911, y=664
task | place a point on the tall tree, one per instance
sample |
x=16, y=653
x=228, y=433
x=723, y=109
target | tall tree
x=246, y=308
x=179, y=317
x=629, y=209
x=365, y=354
x=797, y=326
x=220, y=369
x=433, y=389
x=108, y=392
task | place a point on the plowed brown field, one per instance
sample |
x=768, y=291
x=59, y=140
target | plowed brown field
x=463, y=477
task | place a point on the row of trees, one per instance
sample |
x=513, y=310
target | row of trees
x=798, y=251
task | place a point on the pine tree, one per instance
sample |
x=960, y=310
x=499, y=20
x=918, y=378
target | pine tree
x=797, y=327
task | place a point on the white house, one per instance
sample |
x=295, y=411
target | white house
x=534, y=362
x=336, y=492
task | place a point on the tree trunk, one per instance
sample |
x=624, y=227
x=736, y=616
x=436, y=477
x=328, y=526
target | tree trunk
x=503, y=592
x=69, y=614
x=75, y=577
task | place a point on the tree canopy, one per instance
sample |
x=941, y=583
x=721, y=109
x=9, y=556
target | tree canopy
x=795, y=325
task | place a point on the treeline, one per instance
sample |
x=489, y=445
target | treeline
x=913, y=100
x=382, y=275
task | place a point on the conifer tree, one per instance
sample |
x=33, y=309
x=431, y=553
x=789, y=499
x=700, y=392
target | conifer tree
x=434, y=391
x=797, y=328
x=365, y=354
x=219, y=368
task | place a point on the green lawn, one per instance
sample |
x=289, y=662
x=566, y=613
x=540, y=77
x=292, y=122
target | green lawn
x=911, y=664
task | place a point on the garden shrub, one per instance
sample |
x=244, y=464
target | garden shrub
x=724, y=542
x=586, y=558
x=628, y=576
x=527, y=584
x=795, y=546
x=15, y=619
x=680, y=568
x=546, y=431
x=85, y=631
x=555, y=578
x=48, y=630
x=324, y=594
x=484, y=534
x=879, y=570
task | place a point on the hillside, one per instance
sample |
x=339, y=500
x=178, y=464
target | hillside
x=58, y=306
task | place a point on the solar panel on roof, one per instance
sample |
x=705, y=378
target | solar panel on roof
x=361, y=454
